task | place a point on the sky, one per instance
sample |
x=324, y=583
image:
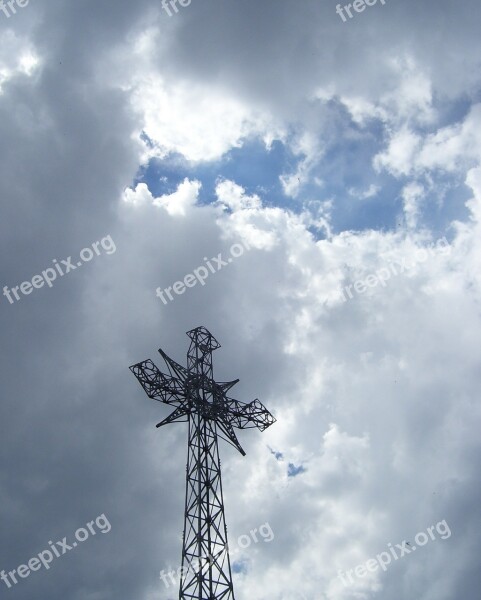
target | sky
x=307, y=186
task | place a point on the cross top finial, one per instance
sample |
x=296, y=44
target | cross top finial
x=203, y=339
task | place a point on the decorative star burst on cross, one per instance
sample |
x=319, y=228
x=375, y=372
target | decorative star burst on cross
x=193, y=390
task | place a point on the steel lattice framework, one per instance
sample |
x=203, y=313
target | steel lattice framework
x=204, y=404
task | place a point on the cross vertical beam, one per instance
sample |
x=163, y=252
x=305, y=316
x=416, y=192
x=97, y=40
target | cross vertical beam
x=205, y=531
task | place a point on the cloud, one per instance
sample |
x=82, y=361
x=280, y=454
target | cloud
x=20, y=60
x=176, y=204
x=450, y=148
x=118, y=120
x=198, y=122
x=233, y=196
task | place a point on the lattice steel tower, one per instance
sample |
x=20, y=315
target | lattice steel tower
x=204, y=404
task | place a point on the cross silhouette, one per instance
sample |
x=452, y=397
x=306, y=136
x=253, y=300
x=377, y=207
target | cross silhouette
x=201, y=401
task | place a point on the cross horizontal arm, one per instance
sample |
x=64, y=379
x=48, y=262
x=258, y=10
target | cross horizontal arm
x=157, y=385
x=245, y=416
